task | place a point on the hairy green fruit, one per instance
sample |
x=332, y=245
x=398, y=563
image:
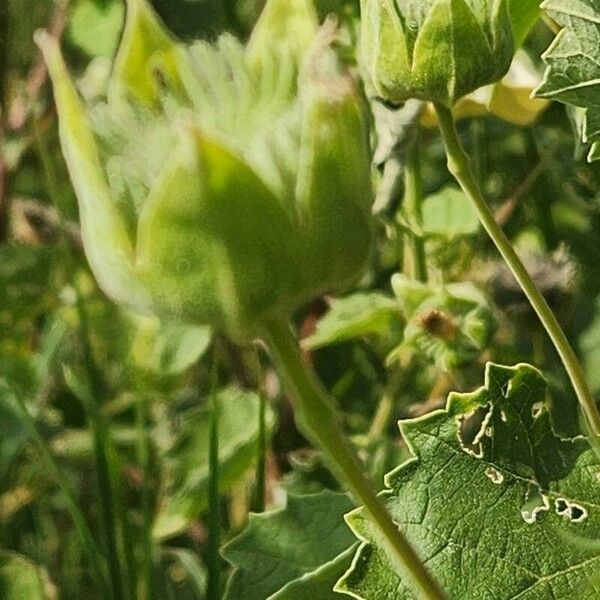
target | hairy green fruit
x=435, y=50
x=220, y=184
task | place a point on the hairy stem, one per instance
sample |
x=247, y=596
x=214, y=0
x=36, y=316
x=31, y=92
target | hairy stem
x=458, y=164
x=317, y=418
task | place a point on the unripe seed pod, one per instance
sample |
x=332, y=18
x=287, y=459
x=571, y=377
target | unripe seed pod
x=434, y=50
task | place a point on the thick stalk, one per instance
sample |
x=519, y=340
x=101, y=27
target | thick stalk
x=317, y=419
x=458, y=164
x=413, y=200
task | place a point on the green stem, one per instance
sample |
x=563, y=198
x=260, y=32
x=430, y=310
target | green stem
x=382, y=417
x=413, y=200
x=143, y=456
x=259, y=494
x=458, y=164
x=316, y=416
x=214, y=513
x=258, y=504
x=101, y=452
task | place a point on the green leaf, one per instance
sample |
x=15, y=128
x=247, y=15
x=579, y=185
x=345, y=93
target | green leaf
x=590, y=349
x=489, y=500
x=292, y=553
x=573, y=59
x=189, y=458
x=523, y=15
x=353, y=317
x=319, y=584
x=190, y=563
x=167, y=348
x=449, y=214
x=13, y=434
x=95, y=26
x=19, y=578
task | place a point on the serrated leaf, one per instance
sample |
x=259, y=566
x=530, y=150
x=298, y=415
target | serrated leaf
x=319, y=584
x=489, y=500
x=353, y=317
x=286, y=553
x=189, y=458
x=19, y=578
x=573, y=59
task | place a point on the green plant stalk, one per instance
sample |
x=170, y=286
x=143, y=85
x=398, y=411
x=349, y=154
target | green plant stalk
x=261, y=456
x=90, y=549
x=458, y=165
x=258, y=503
x=101, y=452
x=213, y=560
x=316, y=417
x=413, y=201
x=143, y=457
x=101, y=436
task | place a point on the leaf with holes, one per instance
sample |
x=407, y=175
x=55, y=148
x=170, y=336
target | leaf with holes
x=491, y=500
x=573, y=74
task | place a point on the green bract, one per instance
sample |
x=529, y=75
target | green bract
x=435, y=50
x=220, y=184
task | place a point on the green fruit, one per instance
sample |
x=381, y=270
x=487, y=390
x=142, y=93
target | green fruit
x=435, y=50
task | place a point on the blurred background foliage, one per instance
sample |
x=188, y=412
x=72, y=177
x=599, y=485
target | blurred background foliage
x=84, y=380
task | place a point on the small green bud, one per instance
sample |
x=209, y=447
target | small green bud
x=451, y=325
x=435, y=50
x=220, y=184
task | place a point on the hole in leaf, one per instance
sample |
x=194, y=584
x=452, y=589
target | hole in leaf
x=472, y=428
x=561, y=506
x=574, y=512
x=537, y=409
x=535, y=503
x=577, y=513
x=494, y=475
